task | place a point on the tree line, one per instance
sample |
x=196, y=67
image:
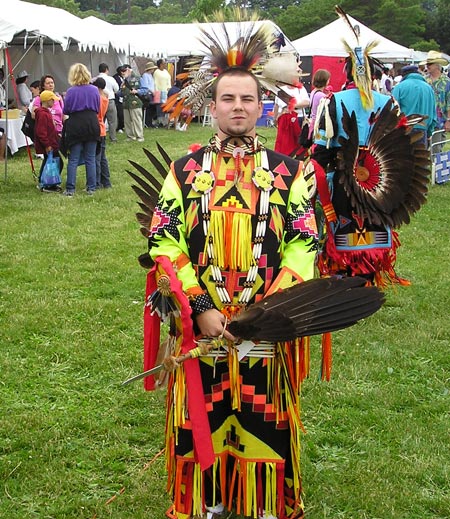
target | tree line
x=421, y=25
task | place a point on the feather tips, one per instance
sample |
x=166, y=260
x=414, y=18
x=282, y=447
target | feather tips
x=310, y=308
x=387, y=180
x=147, y=188
x=250, y=46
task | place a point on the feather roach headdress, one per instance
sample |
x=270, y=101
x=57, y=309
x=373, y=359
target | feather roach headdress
x=360, y=61
x=253, y=47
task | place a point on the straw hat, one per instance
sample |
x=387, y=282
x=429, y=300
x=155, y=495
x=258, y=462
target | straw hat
x=22, y=74
x=434, y=56
x=150, y=66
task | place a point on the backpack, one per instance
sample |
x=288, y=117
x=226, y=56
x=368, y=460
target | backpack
x=28, y=125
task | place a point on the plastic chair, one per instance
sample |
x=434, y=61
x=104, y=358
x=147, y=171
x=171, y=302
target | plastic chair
x=207, y=119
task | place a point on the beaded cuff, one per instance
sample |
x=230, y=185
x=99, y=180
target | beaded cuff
x=201, y=303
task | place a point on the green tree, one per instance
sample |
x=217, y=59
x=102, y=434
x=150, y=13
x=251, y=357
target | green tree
x=401, y=20
x=437, y=21
x=299, y=20
x=204, y=8
x=70, y=6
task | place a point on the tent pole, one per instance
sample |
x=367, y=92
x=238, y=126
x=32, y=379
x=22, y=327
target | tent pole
x=6, y=62
x=41, y=52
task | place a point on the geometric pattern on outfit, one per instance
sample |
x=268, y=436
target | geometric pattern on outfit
x=354, y=245
x=209, y=218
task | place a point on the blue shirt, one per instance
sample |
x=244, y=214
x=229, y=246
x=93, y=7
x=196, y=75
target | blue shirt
x=415, y=96
x=147, y=82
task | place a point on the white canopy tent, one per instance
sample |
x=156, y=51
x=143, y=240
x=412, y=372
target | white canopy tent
x=178, y=39
x=42, y=39
x=327, y=41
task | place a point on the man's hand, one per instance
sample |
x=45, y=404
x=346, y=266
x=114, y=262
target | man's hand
x=211, y=324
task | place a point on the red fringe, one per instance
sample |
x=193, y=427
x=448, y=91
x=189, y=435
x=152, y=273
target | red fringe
x=326, y=357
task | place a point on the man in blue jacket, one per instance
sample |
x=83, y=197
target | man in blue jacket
x=415, y=96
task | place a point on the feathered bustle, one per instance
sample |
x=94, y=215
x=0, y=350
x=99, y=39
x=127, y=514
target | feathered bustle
x=387, y=180
x=148, y=188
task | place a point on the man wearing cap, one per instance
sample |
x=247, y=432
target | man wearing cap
x=111, y=88
x=24, y=94
x=121, y=74
x=415, y=96
x=147, y=85
x=441, y=87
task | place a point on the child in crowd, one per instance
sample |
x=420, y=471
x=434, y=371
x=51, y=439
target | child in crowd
x=46, y=137
x=102, y=166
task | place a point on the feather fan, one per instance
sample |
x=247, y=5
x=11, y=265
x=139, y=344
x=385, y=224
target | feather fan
x=148, y=187
x=310, y=308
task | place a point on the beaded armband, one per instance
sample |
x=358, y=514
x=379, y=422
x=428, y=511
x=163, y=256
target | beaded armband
x=201, y=303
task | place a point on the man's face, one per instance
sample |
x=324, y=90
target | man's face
x=236, y=107
x=433, y=69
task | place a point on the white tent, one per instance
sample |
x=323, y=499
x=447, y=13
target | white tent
x=42, y=39
x=327, y=41
x=177, y=39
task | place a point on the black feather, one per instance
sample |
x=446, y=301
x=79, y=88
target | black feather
x=148, y=190
x=148, y=200
x=157, y=164
x=153, y=192
x=310, y=308
x=164, y=155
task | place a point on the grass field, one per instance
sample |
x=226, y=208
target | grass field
x=75, y=444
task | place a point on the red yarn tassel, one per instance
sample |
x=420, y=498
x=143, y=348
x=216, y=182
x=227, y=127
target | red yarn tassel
x=326, y=356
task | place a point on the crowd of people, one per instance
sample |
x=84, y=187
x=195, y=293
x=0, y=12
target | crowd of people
x=422, y=88
x=92, y=111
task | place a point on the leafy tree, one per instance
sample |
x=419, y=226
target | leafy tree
x=70, y=6
x=299, y=20
x=401, y=20
x=437, y=22
x=204, y=8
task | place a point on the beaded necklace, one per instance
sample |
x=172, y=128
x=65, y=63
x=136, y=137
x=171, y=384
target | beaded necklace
x=263, y=179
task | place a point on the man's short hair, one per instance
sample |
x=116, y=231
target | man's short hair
x=102, y=68
x=236, y=71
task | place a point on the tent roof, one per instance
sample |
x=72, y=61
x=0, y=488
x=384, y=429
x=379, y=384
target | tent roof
x=175, y=39
x=23, y=21
x=327, y=41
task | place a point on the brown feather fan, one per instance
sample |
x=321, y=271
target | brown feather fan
x=148, y=188
x=311, y=308
x=387, y=180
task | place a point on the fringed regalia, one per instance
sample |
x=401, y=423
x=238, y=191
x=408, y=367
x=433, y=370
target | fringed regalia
x=235, y=222
x=371, y=172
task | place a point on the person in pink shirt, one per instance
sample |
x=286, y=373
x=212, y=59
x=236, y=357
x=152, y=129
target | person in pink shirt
x=320, y=82
x=48, y=83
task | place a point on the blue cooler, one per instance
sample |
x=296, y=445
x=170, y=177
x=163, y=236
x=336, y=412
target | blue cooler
x=267, y=107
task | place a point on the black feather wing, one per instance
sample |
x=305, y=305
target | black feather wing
x=148, y=186
x=386, y=180
x=310, y=308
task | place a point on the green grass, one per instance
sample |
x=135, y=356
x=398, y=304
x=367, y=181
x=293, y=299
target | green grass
x=71, y=438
